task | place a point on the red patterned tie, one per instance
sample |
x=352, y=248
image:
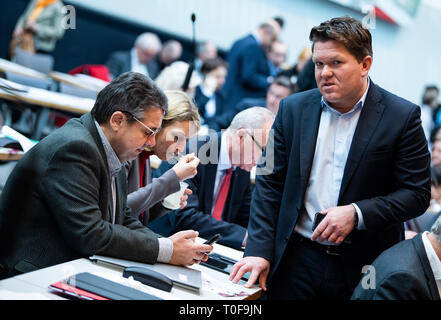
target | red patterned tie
x=222, y=196
x=143, y=157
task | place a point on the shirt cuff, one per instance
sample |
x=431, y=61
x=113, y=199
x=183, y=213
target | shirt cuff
x=360, y=225
x=165, y=250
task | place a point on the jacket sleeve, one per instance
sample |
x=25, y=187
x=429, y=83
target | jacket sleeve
x=71, y=187
x=411, y=172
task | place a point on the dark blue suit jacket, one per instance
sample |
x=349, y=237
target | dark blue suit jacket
x=197, y=214
x=402, y=272
x=248, y=70
x=387, y=175
x=222, y=118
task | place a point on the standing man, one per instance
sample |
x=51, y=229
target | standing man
x=350, y=150
x=66, y=198
x=249, y=74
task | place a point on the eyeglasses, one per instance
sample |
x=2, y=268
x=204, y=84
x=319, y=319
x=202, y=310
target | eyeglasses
x=151, y=131
x=254, y=140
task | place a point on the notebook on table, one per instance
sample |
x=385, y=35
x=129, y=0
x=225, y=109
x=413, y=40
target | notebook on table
x=181, y=276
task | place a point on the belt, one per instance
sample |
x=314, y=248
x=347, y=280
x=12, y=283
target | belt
x=335, y=250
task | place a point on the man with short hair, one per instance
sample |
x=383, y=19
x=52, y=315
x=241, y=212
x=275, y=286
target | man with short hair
x=410, y=270
x=278, y=90
x=141, y=58
x=66, y=198
x=249, y=73
x=221, y=190
x=349, y=153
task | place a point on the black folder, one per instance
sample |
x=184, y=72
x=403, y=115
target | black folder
x=104, y=288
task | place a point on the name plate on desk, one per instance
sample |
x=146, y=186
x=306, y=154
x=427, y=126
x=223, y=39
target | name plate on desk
x=181, y=276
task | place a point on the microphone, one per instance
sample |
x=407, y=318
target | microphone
x=191, y=64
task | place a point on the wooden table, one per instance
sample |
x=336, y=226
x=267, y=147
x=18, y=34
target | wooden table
x=9, y=66
x=82, y=81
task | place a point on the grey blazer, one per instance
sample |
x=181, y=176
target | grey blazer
x=147, y=199
x=56, y=205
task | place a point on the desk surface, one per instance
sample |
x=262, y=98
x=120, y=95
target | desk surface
x=81, y=81
x=8, y=154
x=213, y=282
x=45, y=98
x=9, y=66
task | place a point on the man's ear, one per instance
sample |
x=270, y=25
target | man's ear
x=366, y=65
x=117, y=120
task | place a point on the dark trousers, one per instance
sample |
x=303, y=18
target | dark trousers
x=308, y=272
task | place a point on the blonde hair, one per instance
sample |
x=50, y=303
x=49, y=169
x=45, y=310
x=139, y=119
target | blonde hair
x=305, y=54
x=180, y=108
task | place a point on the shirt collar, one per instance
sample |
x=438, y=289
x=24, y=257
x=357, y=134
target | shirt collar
x=435, y=263
x=224, y=157
x=113, y=161
x=357, y=106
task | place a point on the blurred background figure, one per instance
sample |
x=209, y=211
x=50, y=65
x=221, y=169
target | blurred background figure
x=171, y=51
x=209, y=97
x=303, y=58
x=249, y=74
x=141, y=58
x=204, y=51
x=430, y=115
x=42, y=22
x=279, y=89
x=173, y=77
x=426, y=220
x=277, y=57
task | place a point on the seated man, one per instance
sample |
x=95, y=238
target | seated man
x=181, y=122
x=141, y=58
x=66, y=198
x=410, y=270
x=220, y=202
x=280, y=88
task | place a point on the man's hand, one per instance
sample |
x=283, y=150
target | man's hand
x=184, y=198
x=186, y=251
x=186, y=167
x=337, y=224
x=258, y=267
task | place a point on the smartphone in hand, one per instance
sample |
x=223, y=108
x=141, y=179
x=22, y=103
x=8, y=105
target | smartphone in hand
x=213, y=239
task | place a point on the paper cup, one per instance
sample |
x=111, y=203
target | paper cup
x=173, y=200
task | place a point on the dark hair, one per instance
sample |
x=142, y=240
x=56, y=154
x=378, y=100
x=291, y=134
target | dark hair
x=430, y=95
x=130, y=92
x=211, y=64
x=284, y=81
x=280, y=21
x=348, y=31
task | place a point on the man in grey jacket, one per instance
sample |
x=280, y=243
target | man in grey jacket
x=66, y=198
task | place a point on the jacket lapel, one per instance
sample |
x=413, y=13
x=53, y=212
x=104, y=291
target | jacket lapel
x=370, y=116
x=421, y=251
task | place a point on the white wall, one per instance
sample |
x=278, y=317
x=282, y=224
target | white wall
x=406, y=58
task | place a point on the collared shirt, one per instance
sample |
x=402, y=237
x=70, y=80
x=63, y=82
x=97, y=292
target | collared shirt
x=115, y=165
x=136, y=65
x=334, y=139
x=210, y=106
x=223, y=165
x=434, y=261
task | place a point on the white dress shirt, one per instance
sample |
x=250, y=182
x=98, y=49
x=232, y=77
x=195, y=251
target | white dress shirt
x=334, y=139
x=223, y=165
x=136, y=65
x=435, y=263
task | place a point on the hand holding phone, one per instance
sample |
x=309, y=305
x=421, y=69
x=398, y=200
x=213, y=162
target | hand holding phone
x=317, y=219
x=213, y=239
